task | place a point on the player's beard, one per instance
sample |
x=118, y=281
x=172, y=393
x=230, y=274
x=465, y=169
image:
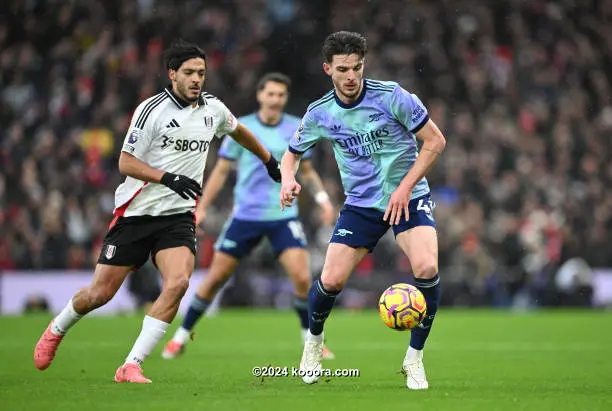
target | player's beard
x=185, y=93
x=352, y=95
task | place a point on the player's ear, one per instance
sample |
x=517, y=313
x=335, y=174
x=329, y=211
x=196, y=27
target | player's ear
x=327, y=69
x=172, y=74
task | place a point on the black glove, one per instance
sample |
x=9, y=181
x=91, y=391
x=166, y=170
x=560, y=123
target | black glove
x=183, y=186
x=273, y=169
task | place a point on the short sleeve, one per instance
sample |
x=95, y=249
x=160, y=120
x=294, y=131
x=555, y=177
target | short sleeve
x=408, y=109
x=308, y=154
x=230, y=149
x=141, y=131
x=228, y=122
x=306, y=135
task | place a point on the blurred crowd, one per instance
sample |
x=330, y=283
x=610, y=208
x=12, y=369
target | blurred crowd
x=521, y=89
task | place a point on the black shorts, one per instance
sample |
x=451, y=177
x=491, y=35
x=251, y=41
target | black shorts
x=131, y=240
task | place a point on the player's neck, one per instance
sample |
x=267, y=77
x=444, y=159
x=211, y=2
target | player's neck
x=182, y=100
x=269, y=118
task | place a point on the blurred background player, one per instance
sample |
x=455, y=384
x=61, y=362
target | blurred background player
x=163, y=155
x=256, y=213
x=372, y=125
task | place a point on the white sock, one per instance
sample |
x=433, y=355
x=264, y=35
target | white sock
x=304, y=332
x=412, y=354
x=317, y=338
x=65, y=319
x=182, y=335
x=153, y=330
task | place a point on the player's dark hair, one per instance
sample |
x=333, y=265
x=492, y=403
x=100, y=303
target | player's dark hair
x=181, y=51
x=344, y=42
x=275, y=78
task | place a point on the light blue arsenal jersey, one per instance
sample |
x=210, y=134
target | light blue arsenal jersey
x=256, y=195
x=373, y=140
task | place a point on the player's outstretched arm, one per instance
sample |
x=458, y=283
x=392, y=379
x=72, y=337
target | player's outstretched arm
x=246, y=139
x=213, y=186
x=433, y=145
x=135, y=168
x=290, y=188
x=312, y=181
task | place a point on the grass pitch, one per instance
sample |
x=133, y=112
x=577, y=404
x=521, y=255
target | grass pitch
x=475, y=360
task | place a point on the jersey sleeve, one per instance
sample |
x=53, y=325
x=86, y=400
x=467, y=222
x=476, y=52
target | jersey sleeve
x=308, y=154
x=228, y=122
x=408, y=109
x=141, y=131
x=306, y=135
x=230, y=149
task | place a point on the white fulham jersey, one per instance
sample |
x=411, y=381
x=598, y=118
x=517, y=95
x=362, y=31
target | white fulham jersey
x=170, y=135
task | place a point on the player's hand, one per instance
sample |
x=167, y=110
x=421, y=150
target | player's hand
x=182, y=185
x=328, y=213
x=289, y=191
x=398, y=204
x=273, y=169
x=200, y=215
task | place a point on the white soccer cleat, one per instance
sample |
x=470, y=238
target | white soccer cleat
x=327, y=353
x=310, y=366
x=172, y=350
x=414, y=371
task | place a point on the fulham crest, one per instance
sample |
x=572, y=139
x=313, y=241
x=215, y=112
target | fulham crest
x=110, y=251
x=208, y=120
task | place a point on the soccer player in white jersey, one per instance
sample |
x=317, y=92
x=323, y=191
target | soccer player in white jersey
x=373, y=127
x=257, y=216
x=163, y=158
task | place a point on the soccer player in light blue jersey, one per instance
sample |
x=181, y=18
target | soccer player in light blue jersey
x=373, y=127
x=256, y=213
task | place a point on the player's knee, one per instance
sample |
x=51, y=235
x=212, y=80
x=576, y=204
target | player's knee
x=332, y=281
x=302, y=284
x=98, y=296
x=426, y=268
x=217, y=279
x=177, y=285
x=334, y=277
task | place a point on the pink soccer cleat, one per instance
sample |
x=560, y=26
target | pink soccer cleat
x=327, y=354
x=131, y=373
x=46, y=347
x=173, y=349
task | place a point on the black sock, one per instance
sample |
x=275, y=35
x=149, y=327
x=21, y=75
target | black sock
x=197, y=307
x=320, y=304
x=431, y=291
x=301, y=308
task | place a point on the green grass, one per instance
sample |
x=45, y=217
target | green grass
x=476, y=360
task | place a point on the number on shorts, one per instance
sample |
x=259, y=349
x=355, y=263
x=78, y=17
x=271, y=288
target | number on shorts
x=425, y=205
x=297, y=230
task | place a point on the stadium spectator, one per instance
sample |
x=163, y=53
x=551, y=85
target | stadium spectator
x=521, y=89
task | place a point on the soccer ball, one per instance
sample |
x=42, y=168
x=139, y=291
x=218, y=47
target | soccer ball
x=402, y=307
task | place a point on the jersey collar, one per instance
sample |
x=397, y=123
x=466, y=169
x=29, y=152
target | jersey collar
x=354, y=103
x=180, y=103
x=269, y=125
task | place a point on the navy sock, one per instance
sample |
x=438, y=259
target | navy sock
x=197, y=307
x=301, y=308
x=431, y=291
x=320, y=304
